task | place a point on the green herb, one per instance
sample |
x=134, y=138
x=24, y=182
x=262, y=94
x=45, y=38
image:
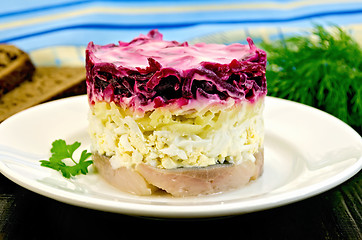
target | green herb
x=323, y=70
x=61, y=151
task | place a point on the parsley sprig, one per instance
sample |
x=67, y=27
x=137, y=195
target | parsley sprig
x=321, y=69
x=61, y=151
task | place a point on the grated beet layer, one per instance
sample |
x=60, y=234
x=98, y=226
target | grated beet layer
x=149, y=70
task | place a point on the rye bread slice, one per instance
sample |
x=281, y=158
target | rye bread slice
x=48, y=83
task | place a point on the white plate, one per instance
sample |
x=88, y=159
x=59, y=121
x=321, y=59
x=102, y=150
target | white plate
x=307, y=152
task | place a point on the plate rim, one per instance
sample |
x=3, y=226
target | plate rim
x=193, y=211
x=182, y=211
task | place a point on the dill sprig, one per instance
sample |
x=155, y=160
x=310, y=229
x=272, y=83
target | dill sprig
x=322, y=69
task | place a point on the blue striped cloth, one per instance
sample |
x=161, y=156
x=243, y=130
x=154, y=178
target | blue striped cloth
x=56, y=32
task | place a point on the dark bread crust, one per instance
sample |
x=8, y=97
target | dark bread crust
x=15, y=68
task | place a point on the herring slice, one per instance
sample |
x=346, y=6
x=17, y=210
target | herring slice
x=123, y=178
x=180, y=182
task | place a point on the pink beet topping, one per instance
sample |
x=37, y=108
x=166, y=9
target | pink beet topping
x=150, y=72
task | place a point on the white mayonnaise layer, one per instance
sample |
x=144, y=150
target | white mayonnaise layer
x=168, y=140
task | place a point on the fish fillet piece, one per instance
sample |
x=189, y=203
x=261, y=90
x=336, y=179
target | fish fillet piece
x=181, y=182
x=123, y=178
x=195, y=181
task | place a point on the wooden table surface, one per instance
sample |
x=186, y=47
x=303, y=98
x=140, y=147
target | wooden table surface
x=335, y=214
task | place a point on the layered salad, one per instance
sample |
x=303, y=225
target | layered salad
x=171, y=107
